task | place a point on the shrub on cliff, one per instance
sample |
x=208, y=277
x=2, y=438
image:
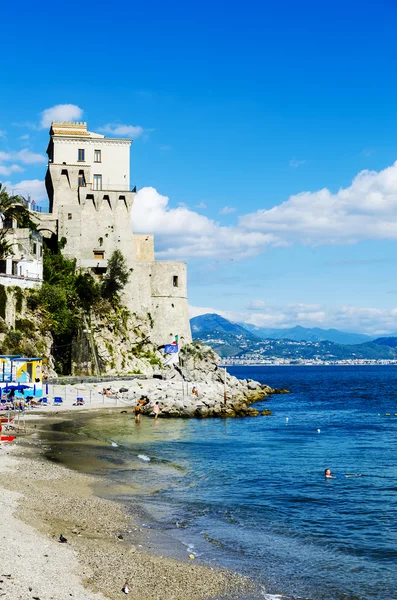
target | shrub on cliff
x=87, y=289
x=117, y=275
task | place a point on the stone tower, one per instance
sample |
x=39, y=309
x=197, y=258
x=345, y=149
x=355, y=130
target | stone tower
x=90, y=199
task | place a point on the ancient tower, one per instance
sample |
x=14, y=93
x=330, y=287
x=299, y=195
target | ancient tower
x=90, y=195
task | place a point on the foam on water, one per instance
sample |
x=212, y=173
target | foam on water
x=144, y=457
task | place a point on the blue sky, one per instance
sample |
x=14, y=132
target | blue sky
x=234, y=109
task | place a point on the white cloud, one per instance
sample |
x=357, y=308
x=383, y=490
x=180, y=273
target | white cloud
x=372, y=321
x=29, y=158
x=256, y=305
x=227, y=210
x=133, y=131
x=183, y=233
x=201, y=205
x=24, y=156
x=8, y=169
x=367, y=209
x=296, y=163
x=24, y=137
x=60, y=112
x=2, y=133
x=33, y=187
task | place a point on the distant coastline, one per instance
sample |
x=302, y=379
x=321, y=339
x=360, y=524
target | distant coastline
x=307, y=363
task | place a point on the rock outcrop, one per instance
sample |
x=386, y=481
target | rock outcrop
x=199, y=388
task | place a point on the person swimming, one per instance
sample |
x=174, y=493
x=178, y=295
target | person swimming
x=329, y=475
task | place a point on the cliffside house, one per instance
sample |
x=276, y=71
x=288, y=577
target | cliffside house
x=23, y=267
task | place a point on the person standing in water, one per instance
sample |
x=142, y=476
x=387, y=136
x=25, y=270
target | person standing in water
x=156, y=410
x=137, y=412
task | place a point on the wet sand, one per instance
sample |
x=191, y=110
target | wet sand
x=40, y=500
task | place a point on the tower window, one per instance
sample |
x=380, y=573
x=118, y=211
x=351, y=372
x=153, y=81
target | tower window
x=69, y=216
x=81, y=155
x=100, y=241
x=97, y=182
x=81, y=179
x=175, y=280
x=97, y=156
x=99, y=254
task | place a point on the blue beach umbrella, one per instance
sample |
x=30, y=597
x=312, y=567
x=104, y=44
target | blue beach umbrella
x=18, y=388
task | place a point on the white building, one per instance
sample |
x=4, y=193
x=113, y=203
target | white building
x=89, y=189
x=104, y=162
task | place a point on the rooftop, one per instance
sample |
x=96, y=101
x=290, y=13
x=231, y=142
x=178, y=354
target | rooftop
x=72, y=129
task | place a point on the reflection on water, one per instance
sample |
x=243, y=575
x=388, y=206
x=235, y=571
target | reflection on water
x=114, y=446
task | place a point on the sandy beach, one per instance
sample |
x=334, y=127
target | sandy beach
x=40, y=500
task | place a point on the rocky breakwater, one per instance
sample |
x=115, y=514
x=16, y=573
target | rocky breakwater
x=199, y=388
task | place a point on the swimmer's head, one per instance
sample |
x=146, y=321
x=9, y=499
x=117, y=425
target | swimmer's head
x=327, y=472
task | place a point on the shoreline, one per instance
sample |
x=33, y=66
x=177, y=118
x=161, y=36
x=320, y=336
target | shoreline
x=45, y=499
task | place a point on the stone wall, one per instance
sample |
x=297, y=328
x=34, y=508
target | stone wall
x=89, y=220
x=21, y=282
x=154, y=294
x=143, y=247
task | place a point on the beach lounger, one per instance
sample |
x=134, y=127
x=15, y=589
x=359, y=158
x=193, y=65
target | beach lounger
x=58, y=400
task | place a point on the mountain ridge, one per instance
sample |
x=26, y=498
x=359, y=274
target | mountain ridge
x=314, y=334
x=230, y=339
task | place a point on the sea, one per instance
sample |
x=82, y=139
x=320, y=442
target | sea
x=249, y=494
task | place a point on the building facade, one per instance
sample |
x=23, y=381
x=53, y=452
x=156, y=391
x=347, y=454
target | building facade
x=91, y=199
x=24, y=265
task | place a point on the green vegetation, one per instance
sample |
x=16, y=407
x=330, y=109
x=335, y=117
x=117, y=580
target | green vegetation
x=69, y=298
x=198, y=351
x=25, y=326
x=3, y=301
x=18, y=293
x=116, y=276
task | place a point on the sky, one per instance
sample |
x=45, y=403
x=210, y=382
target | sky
x=265, y=142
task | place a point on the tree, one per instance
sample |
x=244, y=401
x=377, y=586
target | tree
x=87, y=289
x=12, y=208
x=116, y=277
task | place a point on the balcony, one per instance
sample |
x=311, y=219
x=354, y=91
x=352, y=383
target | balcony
x=94, y=263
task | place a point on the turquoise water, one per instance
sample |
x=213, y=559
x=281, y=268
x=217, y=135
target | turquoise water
x=250, y=493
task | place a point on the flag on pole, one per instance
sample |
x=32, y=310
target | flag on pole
x=171, y=348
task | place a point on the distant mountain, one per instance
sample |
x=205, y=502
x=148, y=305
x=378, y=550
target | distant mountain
x=213, y=322
x=225, y=337
x=310, y=334
x=233, y=340
x=386, y=341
